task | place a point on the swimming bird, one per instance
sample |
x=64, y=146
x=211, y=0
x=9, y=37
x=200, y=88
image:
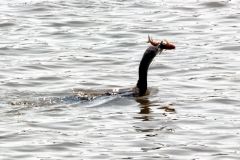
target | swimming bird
x=141, y=87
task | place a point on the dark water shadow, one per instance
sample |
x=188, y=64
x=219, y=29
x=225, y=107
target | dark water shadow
x=146, y=110
x=151, y=113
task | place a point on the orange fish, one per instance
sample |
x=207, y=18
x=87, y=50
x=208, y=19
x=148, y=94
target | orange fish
x=164, y=45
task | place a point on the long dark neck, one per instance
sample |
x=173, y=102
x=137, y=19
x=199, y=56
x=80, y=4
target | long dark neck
x=147, y=58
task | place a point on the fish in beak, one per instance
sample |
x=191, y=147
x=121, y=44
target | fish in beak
x=161, y=45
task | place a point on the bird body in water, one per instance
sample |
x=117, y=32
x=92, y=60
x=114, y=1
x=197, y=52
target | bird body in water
x=141, y=87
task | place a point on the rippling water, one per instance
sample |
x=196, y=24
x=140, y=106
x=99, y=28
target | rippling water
x=52, y=50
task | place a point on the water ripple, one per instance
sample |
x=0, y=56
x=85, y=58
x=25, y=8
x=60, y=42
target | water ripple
x=53, y=50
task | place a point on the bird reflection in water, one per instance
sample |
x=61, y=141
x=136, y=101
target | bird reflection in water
x=152, y=128
x=145, y=109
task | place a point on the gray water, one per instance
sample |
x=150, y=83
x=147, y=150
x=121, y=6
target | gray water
x=53, y=50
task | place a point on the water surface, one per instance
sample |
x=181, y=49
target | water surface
x=52, y=50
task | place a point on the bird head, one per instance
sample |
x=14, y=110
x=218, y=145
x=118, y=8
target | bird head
x=161, y=45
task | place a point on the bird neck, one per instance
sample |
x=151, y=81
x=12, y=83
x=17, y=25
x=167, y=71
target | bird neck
x=147, y=58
